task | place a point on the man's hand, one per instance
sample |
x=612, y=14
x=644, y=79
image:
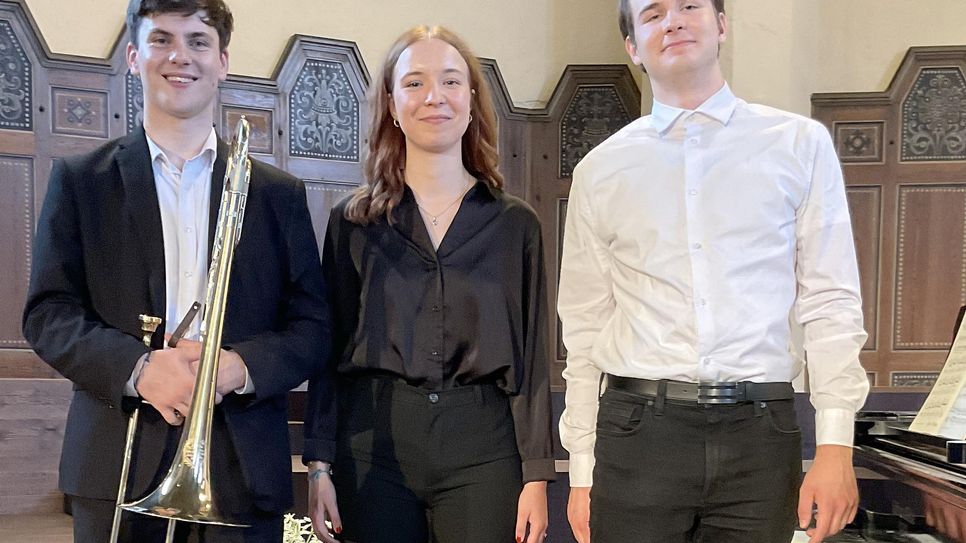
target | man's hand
x=231, y=369
x=578, y=513
x=532, y=511
x=830, y=486
x=166, y=382
x=322, y=502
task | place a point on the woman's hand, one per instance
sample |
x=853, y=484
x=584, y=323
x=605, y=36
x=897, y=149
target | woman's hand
x=322, y=503
x=532, y=510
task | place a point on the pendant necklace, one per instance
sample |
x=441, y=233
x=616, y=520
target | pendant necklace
x=434, y=217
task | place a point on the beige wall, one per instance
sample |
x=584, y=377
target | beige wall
x=531, y=40
x=782, y=51
x=779, y=51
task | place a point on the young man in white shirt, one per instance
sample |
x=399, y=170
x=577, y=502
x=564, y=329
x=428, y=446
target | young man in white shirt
x=693, y=235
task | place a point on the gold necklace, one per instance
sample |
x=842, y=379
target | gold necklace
x=434, y=217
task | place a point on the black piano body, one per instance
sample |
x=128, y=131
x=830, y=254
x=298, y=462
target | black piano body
x=909, y=483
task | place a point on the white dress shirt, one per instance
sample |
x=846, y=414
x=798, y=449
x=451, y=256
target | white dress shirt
x=184, y=196
x=692, y=237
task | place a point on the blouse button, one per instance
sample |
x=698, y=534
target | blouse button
x=436, y=309
x=433, y=397
x=435, y=353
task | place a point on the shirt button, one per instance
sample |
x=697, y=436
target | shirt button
x=706, y=361
x=435, y=309
x=433, y=397
x=703, y=302
x=189, y=229
x=187, y=274
x=693, y=192
x=693, y=141
x=697, y=246
x=435, y=353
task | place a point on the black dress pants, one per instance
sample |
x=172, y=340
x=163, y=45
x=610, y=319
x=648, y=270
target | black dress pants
x=93, y=517
x=415, y=465
x=679, y=472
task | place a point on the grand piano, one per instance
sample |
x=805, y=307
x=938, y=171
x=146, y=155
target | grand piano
x=912, y=486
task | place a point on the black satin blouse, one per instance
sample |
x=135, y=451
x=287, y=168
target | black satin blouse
x=472, y=311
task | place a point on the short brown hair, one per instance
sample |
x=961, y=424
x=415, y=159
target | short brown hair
x=217, y=15
x=625, y=18
x=386, y=162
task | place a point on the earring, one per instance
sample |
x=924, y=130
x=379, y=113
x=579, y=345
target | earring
x=472, y=91
x=471, y=117
x=395, y=122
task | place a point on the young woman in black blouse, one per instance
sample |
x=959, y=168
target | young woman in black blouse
x=441, y=427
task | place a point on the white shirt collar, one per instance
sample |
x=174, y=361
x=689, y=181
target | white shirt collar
x=209, y=149
x=719, y=106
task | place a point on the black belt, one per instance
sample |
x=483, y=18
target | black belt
x=708, y=392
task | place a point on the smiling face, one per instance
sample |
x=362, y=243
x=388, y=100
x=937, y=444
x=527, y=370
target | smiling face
x=180, y=63
x=431, y=96
x=675, y=37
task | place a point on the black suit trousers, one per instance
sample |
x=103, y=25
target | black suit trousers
x=684, y=473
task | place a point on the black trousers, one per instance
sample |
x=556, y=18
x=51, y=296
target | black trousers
x=93, y=519
x=414, y=466
x=676, y=472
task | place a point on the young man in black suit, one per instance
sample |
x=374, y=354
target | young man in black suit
x=127, y=230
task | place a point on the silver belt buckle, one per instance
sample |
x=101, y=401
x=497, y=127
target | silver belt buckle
x=717, y=393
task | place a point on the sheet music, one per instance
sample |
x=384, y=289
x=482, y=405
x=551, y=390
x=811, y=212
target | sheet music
x=944, y=412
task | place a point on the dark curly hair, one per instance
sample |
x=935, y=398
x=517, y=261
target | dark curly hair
x=217, y=15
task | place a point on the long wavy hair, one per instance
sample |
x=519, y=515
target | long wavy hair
x=385, y=164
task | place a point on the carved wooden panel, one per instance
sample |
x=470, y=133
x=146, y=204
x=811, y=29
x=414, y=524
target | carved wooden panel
x=903, y=163
x=859, y=141
x=934, y=116
x=931, y=265
x=133, y=101
x=589, y=104
x=16, y=82
x=594, y=113
x=79, y=112
x=914, y=378
x=322, y=120
x=16, y=234
x=261, y=122
x=864, y=204
x=324, y=114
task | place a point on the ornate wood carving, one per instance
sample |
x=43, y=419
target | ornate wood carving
x=902, y=151
x=16, y=82
x=934, y=116
x=324, y=114
x=593, y=114
x=323, y=111
x=859, y=141
x=79, y=112
x=133, y=101
x=914, y=378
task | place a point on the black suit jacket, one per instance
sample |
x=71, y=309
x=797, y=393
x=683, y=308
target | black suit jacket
x=98, y=262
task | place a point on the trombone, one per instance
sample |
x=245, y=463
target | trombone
x=185, y=494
